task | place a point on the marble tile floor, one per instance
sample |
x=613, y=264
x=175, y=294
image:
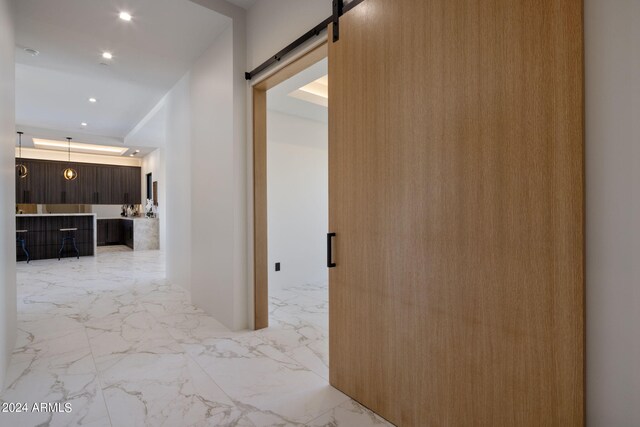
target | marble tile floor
x=110, y=336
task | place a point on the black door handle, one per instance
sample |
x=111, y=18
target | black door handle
x=330, y=263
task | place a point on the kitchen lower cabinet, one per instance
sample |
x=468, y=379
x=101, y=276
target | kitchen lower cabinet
x=127, y=233
x=110, y=232
x=43, y=238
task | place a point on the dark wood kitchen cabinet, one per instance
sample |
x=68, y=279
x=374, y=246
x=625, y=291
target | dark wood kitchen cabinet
x=103, y=230
x=33, y=187
x=57, y=189
x=103, y=186
x=88, y=184
x=127, y=233
x=127, y=185
x=43, y=238
x=110, y=232
x=96, y=184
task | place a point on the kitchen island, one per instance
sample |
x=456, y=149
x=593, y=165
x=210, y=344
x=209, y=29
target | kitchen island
x=44, y=238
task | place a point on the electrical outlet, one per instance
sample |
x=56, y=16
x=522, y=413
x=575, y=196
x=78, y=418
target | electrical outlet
x=277, y=266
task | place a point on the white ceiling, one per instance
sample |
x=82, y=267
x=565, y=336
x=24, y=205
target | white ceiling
x=150, y=54
x=279, y=99
x=245, y=4
x=151, y=131
x=81, y=137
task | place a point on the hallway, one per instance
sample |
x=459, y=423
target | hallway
x=110, y=336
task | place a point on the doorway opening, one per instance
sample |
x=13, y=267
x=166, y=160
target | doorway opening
x=285, y=89
x=294, y=154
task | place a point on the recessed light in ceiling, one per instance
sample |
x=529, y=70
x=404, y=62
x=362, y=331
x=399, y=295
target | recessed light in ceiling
x=31, y=52
x=137, y=151
x=78, y=147
x=107, y=55
x=93, y=100
x=125, y=16
x=131, y=155
x=83, y=124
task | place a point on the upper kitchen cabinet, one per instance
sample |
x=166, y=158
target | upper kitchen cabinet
x=96, y=184
x=130, y=188
x=57, y=190
x=88, y=178
x=25, y=186
x=37, y=186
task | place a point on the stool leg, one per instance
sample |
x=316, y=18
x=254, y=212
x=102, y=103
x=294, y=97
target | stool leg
x=23, y=243
x=73, y=240
x=61, y=248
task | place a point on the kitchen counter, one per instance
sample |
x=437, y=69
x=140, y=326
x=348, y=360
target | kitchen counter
x=138, y=233
x=55, y=214
x=43, y=237
x=146, y=233
x=130, y=218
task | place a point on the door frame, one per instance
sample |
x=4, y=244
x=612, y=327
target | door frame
x=260, y=238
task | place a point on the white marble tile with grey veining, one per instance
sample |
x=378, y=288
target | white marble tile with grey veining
x=111, y=336
x=349, y=414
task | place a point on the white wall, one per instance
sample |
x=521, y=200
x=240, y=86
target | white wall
x=178, y=186
x=612, y=40
x=206, y=170
x=7, y=192
x=213, y=171
x=154, y=163
x=298, y=199
x=106, y=211
x=273, y=24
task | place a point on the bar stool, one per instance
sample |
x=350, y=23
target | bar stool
x=23, y=243
x=69, y=235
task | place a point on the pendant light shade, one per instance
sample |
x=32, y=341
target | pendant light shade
x=21, y=169
x=69, y=173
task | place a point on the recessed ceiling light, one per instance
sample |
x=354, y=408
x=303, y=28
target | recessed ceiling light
x=93, y=100
x=31, y=52
x=125, y=16
x=83, y=124
x=107, y=55
x=131, y=155
x=137, y=151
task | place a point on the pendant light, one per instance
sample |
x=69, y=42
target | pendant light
x=69, y=173
x=21, y=169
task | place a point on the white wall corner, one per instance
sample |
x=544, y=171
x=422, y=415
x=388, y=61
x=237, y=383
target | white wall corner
x=8, y=305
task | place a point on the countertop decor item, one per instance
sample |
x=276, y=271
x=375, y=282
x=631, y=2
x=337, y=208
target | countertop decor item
x=21, y=169
x=149, y=209
x=69, y=173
